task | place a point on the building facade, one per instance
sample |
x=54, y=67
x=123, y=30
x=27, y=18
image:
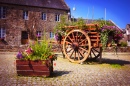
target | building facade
x=21, y=20
x=128, y=34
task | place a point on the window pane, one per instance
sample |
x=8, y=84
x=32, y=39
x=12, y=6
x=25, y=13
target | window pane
x=44, y=16
x=51, y=35
x=2, y=32
x=25, y=15
x=0, y=35
x=39, y=34
x=57, y=17
x=2, y=12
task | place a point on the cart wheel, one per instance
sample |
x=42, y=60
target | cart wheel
x=77, y=46
x=94, y=53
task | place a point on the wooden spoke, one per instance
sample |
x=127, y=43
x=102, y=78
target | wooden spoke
x=83, y=45
x=78, y=56
x=93, y=52
x=81, y=36
x=74, y=55
x=68, y=42
x=70, y=39
x=69, y=50
x=76, y=46
x=81, y=53
x=96, y=50
x=82, y=41
x=73, y=36
x=76, y=37
x=83, y=49
x=90, y=54
x=71, y=53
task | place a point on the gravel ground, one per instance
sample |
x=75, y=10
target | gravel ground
x=114, y=71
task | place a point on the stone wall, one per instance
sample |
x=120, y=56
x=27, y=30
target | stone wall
x=15, y=24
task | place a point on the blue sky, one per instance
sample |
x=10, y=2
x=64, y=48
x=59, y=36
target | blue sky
x=116, y=10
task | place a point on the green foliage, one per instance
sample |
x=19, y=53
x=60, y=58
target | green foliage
x=104, y=39
x=60, y=27
x=123, y=44
x=80, y=23
x=108, y=29
x=41, y=51
x=101, y=22
x=38, y=51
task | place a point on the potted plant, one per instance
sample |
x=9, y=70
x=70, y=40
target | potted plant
x=36, y=60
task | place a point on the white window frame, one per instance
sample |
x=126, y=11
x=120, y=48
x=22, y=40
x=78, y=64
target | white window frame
x=51, y=35
x=44, y=16
x=2, y=32
x=25, y=15
x=57, y=17
x=2, y=12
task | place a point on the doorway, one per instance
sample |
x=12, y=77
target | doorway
x=24, y=37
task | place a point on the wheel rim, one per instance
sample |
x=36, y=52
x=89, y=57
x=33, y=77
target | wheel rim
x=77, y=46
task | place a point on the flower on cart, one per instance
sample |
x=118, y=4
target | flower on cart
x=110, y=31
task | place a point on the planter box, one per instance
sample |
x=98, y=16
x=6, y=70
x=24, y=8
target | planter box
x=34, y=68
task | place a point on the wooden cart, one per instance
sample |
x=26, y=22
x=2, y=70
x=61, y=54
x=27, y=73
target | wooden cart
x=80, y=44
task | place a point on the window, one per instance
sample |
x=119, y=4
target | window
x=44, y=16
x=39, y=35
x=51, y=35
x=2, y=12
x=25, y=15
x=2, y=32
x=57, y=17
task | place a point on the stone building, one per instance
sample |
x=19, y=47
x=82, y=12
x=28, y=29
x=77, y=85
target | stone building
x=21, y=20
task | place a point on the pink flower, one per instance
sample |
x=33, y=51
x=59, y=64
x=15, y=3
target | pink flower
x=29, y=51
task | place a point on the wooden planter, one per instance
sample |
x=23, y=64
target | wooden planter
x=34, y=68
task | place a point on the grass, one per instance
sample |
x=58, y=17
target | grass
x=115, y=65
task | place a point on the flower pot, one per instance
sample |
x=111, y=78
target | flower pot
x=34, y=68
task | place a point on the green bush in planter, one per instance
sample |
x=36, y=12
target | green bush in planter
x=37, y=51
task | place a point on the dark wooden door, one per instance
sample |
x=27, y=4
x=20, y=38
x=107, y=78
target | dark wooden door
x=24, y=37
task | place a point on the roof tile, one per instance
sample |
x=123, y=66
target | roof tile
x=57, y=4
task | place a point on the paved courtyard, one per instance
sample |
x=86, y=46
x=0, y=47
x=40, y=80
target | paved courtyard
x=114, y=71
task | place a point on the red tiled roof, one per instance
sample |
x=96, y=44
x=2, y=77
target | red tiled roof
x=57, y=4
